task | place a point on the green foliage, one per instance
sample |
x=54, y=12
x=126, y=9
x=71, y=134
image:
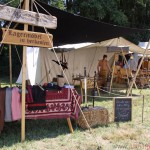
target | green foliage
x=13, y=3
x=101, y=10
x=91, y=9
x=131, y=13
x=56, y=3
x=119, y=18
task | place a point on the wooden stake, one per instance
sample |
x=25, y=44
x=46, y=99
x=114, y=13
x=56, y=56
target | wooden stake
x=128, y=67
x=143, y=110
x=70, y=125
x=0, y=80
x=24, y=80
x=112, y=74
x=10, y=65
x=134, y=79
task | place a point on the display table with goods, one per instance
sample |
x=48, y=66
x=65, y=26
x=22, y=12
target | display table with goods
x=52, y=103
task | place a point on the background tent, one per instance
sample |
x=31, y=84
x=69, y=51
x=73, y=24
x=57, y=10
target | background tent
x=77, y=59
x=133, y=63
x=144, y=45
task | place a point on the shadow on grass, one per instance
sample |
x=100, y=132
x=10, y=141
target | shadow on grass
x=35, y=130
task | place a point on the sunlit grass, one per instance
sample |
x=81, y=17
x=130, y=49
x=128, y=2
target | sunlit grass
x=55, y=135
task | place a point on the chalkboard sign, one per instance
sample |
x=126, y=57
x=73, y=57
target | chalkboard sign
x=122, y=109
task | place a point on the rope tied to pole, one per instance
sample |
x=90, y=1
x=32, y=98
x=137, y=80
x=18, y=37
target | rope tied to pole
x=90, y=130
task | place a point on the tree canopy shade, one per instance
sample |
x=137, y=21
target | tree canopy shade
x=76, y=29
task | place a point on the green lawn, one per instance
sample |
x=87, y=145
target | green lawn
x=55, y=135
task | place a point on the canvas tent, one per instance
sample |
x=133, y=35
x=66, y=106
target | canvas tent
x=77, y=59
x=144, y=45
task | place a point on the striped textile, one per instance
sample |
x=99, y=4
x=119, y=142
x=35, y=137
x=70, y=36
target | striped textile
x=59, y=104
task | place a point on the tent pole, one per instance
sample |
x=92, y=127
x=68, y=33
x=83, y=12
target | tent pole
x=112, y=74
x=0, y=82
x=128, y=67
x=10, y=65
x=134, y=79
x=23, y=80
x=85, y=87
x=125, y=61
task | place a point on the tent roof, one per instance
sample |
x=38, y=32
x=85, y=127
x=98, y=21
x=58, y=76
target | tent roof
x=69, y=47
x=76, y=29
x=119, y=42
x=144, y=45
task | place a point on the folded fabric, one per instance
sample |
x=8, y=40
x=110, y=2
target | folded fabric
x=29, y=98
x=38, y=99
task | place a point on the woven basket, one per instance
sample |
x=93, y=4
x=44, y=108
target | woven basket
x=94, y=116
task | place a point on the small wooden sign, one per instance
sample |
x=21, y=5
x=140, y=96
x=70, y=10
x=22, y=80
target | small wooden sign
x=26, y=38
x=27, y=17
x=118, y=49
x=122, y=109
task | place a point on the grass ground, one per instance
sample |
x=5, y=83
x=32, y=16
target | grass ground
x=55, y=135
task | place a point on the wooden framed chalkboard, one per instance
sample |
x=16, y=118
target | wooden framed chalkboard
x=122, y=109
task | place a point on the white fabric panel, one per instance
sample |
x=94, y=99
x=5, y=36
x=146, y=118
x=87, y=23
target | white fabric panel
x=133, y=63
x=77, y=60
x=143, y=45
x=120, y=42
x=41, y=68
x=33, y=62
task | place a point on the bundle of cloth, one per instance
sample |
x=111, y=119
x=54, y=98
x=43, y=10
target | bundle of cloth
x=10, y=105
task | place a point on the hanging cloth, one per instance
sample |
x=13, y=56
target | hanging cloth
x=8, y=101
x=2, y=107
x=16, y=104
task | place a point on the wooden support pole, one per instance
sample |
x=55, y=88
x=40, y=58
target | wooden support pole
x=143, y=110
x=24, y=80
x=0, y=76
x=10, y=65
x=128, y=67
x=134, y=79
x=85, y=86
x=70, y=125
x=112, y=74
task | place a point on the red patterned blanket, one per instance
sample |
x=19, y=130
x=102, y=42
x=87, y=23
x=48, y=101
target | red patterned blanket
x=59, y=104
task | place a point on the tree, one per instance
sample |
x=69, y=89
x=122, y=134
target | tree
x=101, y=10
x=56, y=3
x=131, y=13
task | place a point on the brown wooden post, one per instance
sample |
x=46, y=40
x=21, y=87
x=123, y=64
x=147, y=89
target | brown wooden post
x=10, y=65
x=24, y=80
x=111, y=82
x=128, y=67
x=70, y=125
x=0, y=81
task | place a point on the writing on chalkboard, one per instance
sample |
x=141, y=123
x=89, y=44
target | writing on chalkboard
x=122, y=109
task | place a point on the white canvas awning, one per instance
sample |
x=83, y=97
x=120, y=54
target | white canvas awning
x=144, y=45
x=120, y=42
